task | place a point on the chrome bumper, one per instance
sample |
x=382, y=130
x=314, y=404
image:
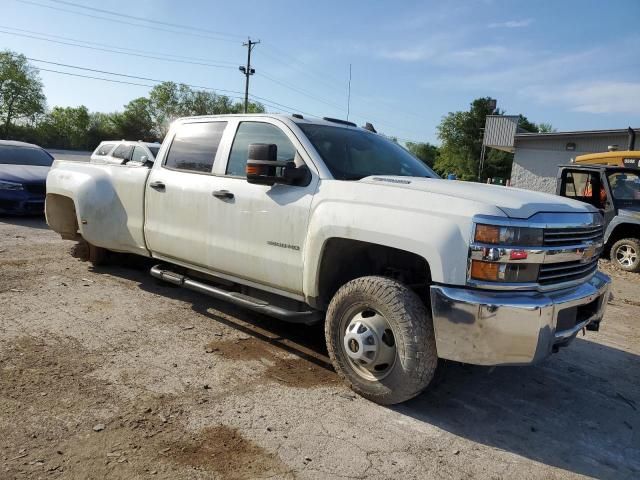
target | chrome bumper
x=485, y=327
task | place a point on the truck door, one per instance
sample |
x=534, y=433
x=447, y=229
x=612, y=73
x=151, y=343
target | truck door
x=260, y=231
x=178, y=197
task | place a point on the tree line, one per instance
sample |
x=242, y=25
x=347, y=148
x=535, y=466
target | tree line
x=24, y=115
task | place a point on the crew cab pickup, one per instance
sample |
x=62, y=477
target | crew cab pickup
x=319, y=220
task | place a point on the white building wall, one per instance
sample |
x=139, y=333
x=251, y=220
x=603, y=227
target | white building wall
x=536, y=169
x=536, y=159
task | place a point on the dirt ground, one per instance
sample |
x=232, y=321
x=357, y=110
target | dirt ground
x=105, y=373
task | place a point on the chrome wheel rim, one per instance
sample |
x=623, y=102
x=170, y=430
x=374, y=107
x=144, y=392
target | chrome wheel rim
x=626, y=255
x=369, y=344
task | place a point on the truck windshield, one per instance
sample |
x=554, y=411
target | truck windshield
x=354, y=154
x=13, y=155
x=625, y=186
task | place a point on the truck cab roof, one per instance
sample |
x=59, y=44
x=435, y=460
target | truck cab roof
x=291, y=118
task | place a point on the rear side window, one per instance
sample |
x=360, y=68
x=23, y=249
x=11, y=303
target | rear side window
x=122, y=152
x=257, y=132
x=195, y=146
x=104, y=149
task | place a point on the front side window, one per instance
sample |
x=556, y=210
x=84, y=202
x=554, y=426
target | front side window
x=138, y=153
x=625, y=186
x=122, y=152
x=194, y=146
x=257, y=132
x=14, y=155
x=104, y=149
x=354, y=154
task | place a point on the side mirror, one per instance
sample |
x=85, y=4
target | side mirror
x=144, y=159
x=263, y=167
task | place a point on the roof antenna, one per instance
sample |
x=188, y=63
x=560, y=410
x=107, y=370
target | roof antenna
x=349, y=93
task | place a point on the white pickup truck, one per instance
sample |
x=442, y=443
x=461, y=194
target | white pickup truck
x=319, y=220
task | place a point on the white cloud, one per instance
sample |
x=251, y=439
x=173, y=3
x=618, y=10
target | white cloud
x=512, y=23
x=594, y=97
x=411, y=54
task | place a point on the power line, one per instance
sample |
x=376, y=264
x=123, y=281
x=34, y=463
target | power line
x=135, y=77
x=143, y=19
x=299, y=90
x=81, y=41
x=106, y=72
x=140, y=55
x=123, y=22
x=307, y=68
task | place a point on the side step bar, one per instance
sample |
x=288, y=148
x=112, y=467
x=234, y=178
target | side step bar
x=307, y=317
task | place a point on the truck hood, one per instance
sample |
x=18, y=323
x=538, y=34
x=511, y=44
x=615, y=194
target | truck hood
x=23, y=173
x=514, y=202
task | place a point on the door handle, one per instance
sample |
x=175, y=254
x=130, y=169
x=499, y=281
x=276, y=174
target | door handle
x=222, y=194
x=157, y=185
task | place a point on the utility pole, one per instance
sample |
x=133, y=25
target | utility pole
x=248, y=71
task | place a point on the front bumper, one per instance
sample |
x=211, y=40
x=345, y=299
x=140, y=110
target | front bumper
x=21, y=202
x=485, y=327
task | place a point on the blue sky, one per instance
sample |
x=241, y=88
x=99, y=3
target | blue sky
x=575, y=64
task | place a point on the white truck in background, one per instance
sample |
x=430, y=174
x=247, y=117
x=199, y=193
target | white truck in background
x=310, y=220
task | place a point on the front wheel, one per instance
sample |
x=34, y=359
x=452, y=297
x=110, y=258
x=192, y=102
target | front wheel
x=380, y=339
x=625, y=254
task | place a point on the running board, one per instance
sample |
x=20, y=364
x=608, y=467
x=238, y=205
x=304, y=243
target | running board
x=307, y=317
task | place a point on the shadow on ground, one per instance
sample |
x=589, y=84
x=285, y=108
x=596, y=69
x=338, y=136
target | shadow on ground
x=29, y=221
x=578, y=411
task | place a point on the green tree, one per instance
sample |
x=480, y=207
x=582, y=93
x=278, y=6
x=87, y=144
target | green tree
x=21, y=96
x=169, y=100
x=67, y=127
x=461, y=136
x=102, y=126
x=546, y=128
x=424, y=151
x=136, y=122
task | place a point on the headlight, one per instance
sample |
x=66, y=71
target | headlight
x=4, y=185
x=507, y=236
x=503, y=272
x=503, y=253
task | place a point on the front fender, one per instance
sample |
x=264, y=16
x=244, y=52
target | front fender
x=623, y=218
x=442, y=240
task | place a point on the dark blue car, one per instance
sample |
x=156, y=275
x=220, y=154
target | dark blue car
x=23, y=176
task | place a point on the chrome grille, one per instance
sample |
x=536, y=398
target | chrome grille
x=572, y=236
x=551, y=273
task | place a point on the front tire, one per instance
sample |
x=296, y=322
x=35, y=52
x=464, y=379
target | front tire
x=625, y=254
x=380, y=339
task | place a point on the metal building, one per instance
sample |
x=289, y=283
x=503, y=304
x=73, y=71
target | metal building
x=537, y=155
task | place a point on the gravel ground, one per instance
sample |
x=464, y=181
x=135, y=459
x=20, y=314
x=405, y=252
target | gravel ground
x=105, y=373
